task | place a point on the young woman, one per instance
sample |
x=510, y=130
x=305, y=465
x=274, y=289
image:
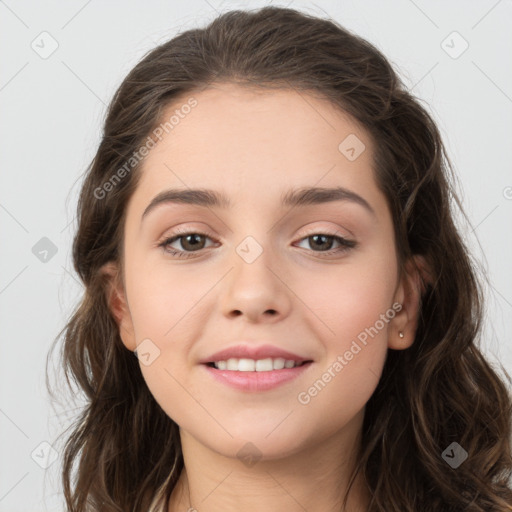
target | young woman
x=279, y=312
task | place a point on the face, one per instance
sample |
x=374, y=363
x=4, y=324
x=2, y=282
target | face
x=318, y=279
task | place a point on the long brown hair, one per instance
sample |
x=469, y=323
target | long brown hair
x=124, y=450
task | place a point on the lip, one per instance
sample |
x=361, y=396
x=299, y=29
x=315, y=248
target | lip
x=256, y=381
x=254, y=352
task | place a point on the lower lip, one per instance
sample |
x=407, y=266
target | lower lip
x=257, y=381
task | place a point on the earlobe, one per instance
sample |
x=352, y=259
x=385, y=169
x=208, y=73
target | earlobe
x=409, y=294
x=118, y=305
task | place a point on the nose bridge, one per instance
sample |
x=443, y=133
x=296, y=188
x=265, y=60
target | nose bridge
x=253, y=286
x=253, y=258
x=254, y=239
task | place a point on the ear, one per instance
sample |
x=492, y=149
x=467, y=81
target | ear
x=118, y=305
x=409, y=292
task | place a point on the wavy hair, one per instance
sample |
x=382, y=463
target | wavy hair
x=123, y=452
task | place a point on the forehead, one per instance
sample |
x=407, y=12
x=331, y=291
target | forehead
x=253, y=144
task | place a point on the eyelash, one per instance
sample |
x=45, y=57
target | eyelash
x=181, y=233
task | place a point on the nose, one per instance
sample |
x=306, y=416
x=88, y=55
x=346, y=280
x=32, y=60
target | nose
x=257, y=288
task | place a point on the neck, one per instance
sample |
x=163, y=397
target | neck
x=313, y=479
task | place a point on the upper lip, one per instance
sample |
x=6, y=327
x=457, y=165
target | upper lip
x=253, y=352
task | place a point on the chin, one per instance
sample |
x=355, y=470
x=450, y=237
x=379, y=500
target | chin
x=257, y=442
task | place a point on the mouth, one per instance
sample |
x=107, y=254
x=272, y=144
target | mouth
x=254, y=376
x=256, y=365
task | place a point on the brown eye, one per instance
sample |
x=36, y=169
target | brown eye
x=323, y=243
x=191, y=242
x=186, y=242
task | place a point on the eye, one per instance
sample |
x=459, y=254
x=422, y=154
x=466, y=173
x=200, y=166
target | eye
x=190, y=241
x=325, y=241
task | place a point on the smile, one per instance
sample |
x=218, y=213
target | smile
x=252, y=375
x=259, y=365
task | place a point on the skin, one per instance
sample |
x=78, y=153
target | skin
x=254, y=146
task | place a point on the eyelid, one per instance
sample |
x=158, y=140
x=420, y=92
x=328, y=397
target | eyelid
x=188, y=229
x=179, y=232
x=327, y=231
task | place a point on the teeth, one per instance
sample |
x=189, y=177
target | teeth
x=251, y=365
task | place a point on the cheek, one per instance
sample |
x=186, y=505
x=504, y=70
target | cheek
x=351, y=297
x=353, y=311
x=161, y=297
x=166, y=306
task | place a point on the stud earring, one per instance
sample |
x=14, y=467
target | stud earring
x=401, y=334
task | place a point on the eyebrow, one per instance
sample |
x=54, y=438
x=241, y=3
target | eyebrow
x=292, y=198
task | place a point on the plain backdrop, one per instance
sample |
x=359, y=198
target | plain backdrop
x=60, y=65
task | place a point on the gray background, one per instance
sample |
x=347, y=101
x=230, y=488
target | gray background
x=52, y=109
